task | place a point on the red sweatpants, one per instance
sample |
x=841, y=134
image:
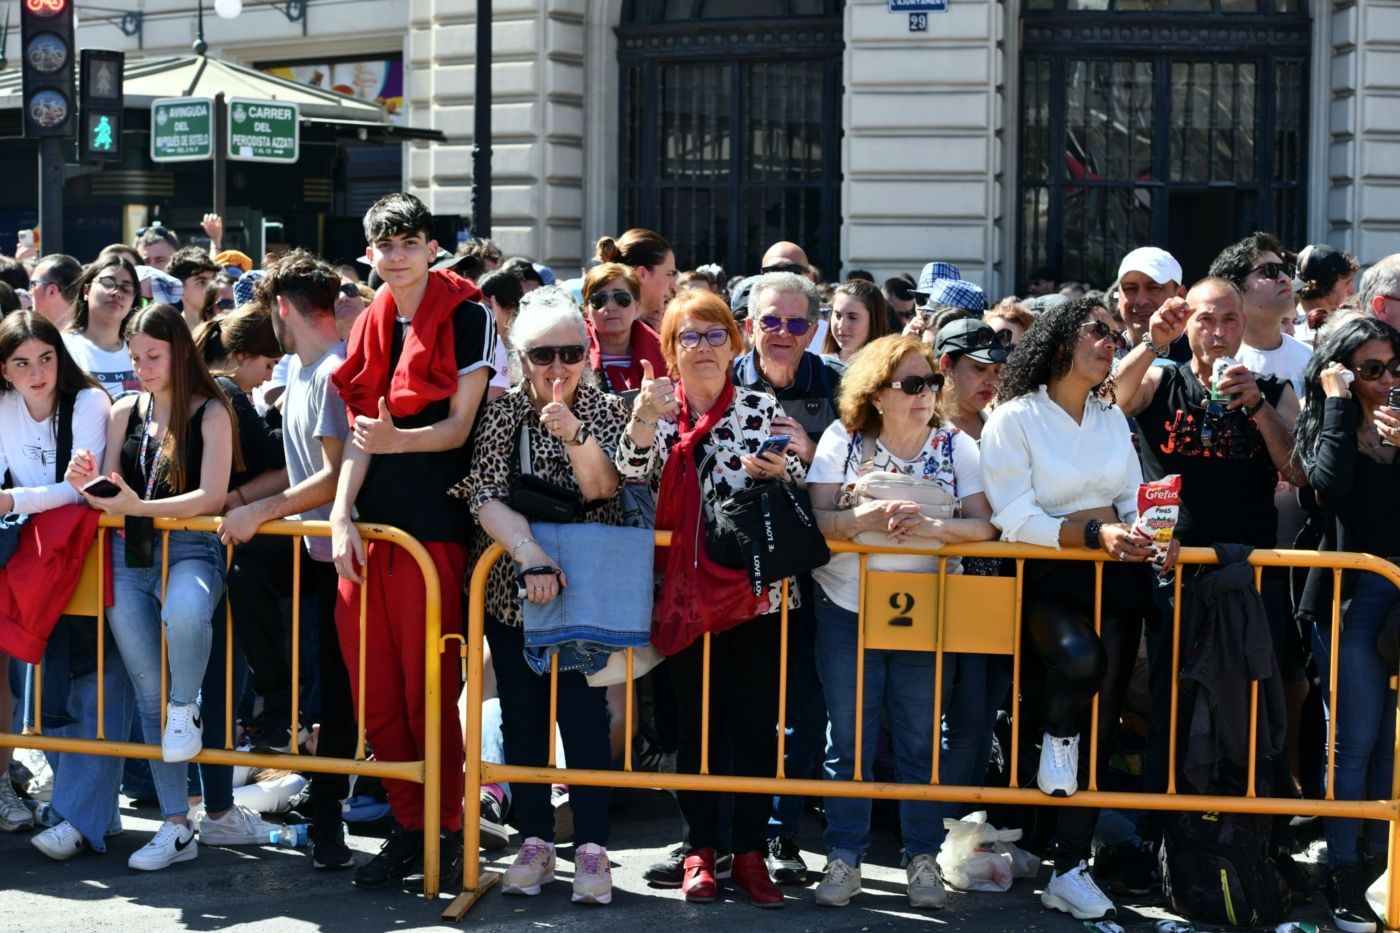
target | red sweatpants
x=394, y=646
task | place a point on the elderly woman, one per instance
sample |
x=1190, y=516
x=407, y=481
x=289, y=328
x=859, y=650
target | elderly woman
x=617, y=339
x=859, y=314
x=889, y=421
x=697, y=440
x=572, y=428
x=1060, y=471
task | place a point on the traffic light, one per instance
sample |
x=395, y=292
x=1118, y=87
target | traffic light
x=46, y=49
x=100, y=116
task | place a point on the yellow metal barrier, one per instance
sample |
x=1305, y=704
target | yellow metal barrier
x=88, y=601
x=943, y=613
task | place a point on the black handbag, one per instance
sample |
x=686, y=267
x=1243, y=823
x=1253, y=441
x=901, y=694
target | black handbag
x=768, y=529
x=536, y=498
x=12, y=524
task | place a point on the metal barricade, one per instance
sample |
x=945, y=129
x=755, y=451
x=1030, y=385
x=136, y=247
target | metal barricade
x=88, y=601
x=941, y=613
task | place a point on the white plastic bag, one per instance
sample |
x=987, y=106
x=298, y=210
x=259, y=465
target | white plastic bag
x=1375, y=894
x=977, y=856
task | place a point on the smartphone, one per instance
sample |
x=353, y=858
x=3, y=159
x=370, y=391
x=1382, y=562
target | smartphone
x=776, y=444
x=26, y=239
x=102, y=488
x=1393, y=403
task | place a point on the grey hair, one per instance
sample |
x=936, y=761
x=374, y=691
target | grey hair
x=1381, y=279
x=785, y=283
x=542, y=310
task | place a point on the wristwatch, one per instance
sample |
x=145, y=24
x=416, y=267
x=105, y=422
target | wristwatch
x=1091, y=534
x=1160, y=351
x=581, y=436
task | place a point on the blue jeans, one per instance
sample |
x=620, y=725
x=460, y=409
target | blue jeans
x=805, y=729
x=1365, y=728
x=901, y=683
x=196, y=581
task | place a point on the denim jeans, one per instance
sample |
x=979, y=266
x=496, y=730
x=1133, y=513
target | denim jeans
x=1365, y=726
x=805, y=729
x=901, y=683
x=196, y=580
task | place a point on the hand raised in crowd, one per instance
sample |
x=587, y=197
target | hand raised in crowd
x=82, y=469
x=1169, y=321
x=556, y=417
x=377, y=435
x=1242, y=387
x=541, y=588
x=238, y=526
x=213, y=226
x=801, y=443
x=657, y=396
x=1334, y=381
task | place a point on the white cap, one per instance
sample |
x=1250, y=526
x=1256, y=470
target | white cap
x=1157, y=264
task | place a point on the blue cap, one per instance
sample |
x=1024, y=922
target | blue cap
x=957, y=293
x=934, y=271
x=545, y=272
x=243, y=288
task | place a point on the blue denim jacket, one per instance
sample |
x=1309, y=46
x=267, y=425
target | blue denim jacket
x=608, y=599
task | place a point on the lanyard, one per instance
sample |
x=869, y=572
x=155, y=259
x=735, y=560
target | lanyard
x=150, y=477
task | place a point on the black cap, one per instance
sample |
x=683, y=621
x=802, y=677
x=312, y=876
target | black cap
x=739, y=298
x=1320, y=262
x=970, y=337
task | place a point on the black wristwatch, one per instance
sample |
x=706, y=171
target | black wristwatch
x=1091, y=534
x=581, y=436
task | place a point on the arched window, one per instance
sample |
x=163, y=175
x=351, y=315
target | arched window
x=731, y=126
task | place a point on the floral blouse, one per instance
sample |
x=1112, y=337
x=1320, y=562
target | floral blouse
x=744, y=427
x=496, y=461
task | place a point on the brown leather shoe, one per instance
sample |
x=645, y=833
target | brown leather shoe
x=751, y=877
x=699, y=885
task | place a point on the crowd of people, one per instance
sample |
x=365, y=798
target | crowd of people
x=469, y=398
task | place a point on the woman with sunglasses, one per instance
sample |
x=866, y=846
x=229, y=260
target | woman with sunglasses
x=696, y=440
x=618, y=341
x=1346, y=441
x=970, y=357
x=1060, y=471
x=648, y=253
x=106, y=293
x=571, y=429
x=859, y=315
x=890, y=422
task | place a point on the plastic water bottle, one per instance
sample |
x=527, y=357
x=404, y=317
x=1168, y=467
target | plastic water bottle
x=292, y=836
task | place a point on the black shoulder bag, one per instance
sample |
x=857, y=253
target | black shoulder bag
x=537, y=498
x=11, y=524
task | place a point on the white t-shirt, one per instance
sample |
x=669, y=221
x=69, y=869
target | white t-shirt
x=112, y=368
x=949, y=458
x=29, y=449
x=500, y=379
x=1287, y=361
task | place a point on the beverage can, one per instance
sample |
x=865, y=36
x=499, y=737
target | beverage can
x=1217, y=373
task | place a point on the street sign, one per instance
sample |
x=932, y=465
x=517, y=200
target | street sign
x=182, y=129
x=918, y=6
x=263, y=130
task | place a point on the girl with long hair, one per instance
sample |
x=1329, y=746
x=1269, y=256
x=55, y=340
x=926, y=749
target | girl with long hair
x=106, y=293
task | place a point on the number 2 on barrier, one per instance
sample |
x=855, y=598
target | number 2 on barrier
x=901, y=611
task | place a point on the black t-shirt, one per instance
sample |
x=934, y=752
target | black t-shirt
x=409, y=490
x=1227, y=485
x=259, y=442
x=135, y=472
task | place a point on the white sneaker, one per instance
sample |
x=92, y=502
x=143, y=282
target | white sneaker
x=237, y=827
x=1075, y=893
x=173, y=842
x=41, y=774
x=840, y=884
x=926, y=888
x=61, y=842
x=184, y=733
x=14, y=815
x=1058, y=774
x=592, y=875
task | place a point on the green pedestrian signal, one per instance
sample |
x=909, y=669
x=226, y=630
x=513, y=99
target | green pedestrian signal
x=102, y=134
x=102, y=99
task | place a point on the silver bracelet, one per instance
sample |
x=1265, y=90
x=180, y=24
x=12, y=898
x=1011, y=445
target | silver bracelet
x=518, y=545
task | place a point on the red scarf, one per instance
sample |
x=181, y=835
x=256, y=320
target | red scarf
x=697, y=595
x=427, y=369
x=645, y=346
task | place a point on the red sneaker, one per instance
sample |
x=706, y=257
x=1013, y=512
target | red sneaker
x=751, y=877
x=699, y=885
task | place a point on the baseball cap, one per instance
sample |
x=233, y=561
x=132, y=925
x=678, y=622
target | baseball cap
x=739, y=298
x=165, y=288
x=1155, y=263
x=1046, y=303
x=956, y=293
x=970, y=337
x=232, y=259
x=1319, y=262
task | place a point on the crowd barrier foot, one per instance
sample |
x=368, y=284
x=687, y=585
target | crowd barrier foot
x=467, y=899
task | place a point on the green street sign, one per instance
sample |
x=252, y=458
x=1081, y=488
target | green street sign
x=182, y=129
x=263, y=130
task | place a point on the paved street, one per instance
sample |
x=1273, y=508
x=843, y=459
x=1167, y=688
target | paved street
x=267, y=889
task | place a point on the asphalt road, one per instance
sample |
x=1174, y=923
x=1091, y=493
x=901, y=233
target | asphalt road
x=269, y=889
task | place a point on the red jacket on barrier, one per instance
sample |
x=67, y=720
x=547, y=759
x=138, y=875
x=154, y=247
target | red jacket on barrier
x=40, y=579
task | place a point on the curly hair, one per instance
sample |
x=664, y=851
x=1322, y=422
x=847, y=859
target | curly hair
x=1337, y=346
x=871, y=371
x=1046, y=351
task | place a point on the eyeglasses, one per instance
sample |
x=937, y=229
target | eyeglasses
x=112, y=285
x=350, y=290
x=543, y=356
x=157, y=229
x=797, y=326
x=915, y=385
x=690, y=339
x=599, y=300
x=1371, y=370
x=1100, y=330
x=1271, y=270
x=39, y=283
x=792, y=267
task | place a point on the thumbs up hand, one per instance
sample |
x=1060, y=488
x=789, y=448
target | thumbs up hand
x=378, y=435
x=556, y=417
x=657, y=396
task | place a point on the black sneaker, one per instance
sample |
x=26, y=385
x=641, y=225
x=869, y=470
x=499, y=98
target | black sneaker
x=449, y=866
x=1127, y=868
x=328, y=849
x=1294, y=872
x=494, y=835
x=401, y=855
x=784, y=861
x=1346, y=898
x=670, y=871
x=274, y=734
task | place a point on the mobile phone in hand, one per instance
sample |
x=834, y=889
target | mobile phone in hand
x=776, y=444
x=102, y=488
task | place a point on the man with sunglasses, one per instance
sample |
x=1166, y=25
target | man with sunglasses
x=786, y=257
x=1263, y=270
x=1229, y=442
x=156, y=244
x=51, y=288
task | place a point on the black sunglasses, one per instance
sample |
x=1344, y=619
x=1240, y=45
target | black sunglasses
x=157, y=229
x=980, y=339
x=797, y=326
x=690, y=339
x=350, y=290
x=599, y=300
x=792, y=267
x=224, y=304
x=543, y=356
x=1371, y=370
x=915, y=385
x=1100, y=330
x=1271, y=270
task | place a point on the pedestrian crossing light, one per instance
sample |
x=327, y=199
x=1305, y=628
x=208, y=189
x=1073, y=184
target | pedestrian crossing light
x=101, y=96
x=46, y=52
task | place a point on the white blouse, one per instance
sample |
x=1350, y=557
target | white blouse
x=1038, y=466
